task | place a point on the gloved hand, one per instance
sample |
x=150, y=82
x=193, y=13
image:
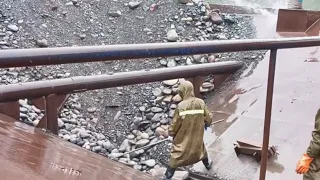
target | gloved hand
x=304, y=164
x=170, y=138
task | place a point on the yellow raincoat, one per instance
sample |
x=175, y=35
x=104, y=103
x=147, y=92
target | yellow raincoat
x=314, y=152
x=187, y=128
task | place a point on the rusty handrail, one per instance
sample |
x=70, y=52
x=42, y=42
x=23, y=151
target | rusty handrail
x=12, y=92
x=54, y=56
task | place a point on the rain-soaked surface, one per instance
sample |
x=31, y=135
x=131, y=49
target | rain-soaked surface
x=29, y=154
x=242, y=106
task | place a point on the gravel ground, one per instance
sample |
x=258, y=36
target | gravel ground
x=114, y=121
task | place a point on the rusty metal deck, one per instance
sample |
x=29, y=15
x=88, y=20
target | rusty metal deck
x=29, y=154
x=295, y=103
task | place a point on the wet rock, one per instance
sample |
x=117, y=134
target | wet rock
x=150, y=163
x=13, y=27
x=130, y=137
x=42, y=43
x=158, y=117
x=115, y=155
x=144, y=125
x=142, y=108
x=60, y=123
x=125, y=146
x=144, y=135
x=171, y=63
x=208, y=85
x=97, y=149
x=156, y=109
x=92, y=109
x=177, y=98
x=114, y=13
x=156, y=92
x=172, y=35
x=167, y=99
x=212, y=59
x=142, y=142
x=134, y=4
x=170, y=82
x=166, y=91
x=216, y=18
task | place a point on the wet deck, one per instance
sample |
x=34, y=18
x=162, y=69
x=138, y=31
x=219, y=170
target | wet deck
x=29, y=154
x=295, y=102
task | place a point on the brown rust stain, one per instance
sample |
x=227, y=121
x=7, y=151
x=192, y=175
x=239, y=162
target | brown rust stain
x=29, y=154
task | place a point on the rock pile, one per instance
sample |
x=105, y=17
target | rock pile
x=106, y=122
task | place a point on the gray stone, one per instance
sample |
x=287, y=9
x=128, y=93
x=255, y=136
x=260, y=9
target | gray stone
x=42, y=43
x=125, y=146
x=130, y=136
x=13, y=27
x=142, y=142
x=60, y=123
x=142, y=108
x=156, y=92
x=144, y=135
x=115, y=155
x=216, y=18
x=170, y=82
x=114, y=13
x=197, y=58
x=92, y=109
x=107, y=145
x=172, y=35
x=134, y=4
x=150, y=163
x=84, y=134
x=171, y=63
x=66, y=137
x=97, y=149
x=156, y=109
x=158, y=117
x=167, y=91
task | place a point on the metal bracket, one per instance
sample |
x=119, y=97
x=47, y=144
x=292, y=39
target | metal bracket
x=254, y=150
x=52, y=104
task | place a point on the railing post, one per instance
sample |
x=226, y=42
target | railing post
x=52, y=113
x=268, y=110
x=197, y=83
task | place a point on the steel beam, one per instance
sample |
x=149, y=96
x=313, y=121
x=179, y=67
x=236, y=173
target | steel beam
x=36, y=89
x=54, y=56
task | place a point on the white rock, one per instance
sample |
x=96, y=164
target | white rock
x=172, y=35
x=150, y=163
x=170, y=82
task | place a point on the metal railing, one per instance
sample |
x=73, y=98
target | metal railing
x=55, y=90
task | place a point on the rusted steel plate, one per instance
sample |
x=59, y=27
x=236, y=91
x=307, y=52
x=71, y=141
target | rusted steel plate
x=29, y=154
x=11, y=109
x=314, y=30
x=292, y=20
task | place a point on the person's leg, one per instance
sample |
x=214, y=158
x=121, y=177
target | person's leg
x=314, y=171
x=207, y=163
x=169, y=173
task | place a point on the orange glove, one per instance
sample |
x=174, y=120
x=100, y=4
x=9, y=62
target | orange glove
x=304, y=164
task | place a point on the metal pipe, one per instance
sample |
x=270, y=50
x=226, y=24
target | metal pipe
x=76, y=84
x=53, y=56
x=268, y=111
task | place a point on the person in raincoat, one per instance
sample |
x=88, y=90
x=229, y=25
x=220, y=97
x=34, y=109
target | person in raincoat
x=187, y=130
x=309, y=164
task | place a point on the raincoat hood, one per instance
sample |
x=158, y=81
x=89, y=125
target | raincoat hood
x=186, y=90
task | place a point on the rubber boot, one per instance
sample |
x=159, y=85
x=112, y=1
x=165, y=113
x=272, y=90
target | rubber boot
x=169, y=173
x=207, y=162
